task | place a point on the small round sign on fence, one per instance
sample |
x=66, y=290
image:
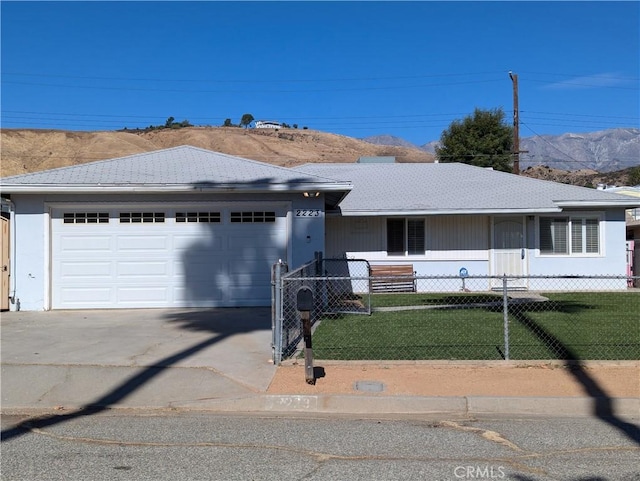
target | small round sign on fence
x=464, y=273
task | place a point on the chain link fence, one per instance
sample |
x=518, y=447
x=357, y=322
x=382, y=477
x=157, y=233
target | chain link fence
x=363, y=314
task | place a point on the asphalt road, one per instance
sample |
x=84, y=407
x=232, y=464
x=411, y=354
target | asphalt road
x=161, y=445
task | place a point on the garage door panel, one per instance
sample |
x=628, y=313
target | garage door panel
x=141, y=243
x=253, y=297
x=86, y=270
x=150, y=295
x=186, y=297
x=142, y=269
x=86, y=296
x=198, y=238
x=210, y=262
x=78, y=243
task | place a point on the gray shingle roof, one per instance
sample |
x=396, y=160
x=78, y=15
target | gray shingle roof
x=179, y=166
x=453, y=188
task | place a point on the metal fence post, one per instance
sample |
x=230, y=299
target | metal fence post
x=505, y=313
x=277, y=312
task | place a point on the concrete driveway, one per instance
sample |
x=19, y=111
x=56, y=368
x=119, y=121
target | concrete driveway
x=134, y=358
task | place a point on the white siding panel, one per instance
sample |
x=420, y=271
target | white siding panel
x=354, y=234
x=458, y=233
x=447, y=238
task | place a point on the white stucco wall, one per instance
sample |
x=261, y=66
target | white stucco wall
x=29, y=281
x=610, y=261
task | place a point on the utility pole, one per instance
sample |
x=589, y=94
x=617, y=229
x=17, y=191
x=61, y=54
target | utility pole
x=516, y=125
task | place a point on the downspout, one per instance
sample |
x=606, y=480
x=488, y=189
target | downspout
x=12, y=253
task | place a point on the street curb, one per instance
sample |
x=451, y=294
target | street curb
x=464, y=406
x=451, y=405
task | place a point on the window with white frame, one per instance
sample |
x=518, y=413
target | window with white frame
x=569, y=235
x=405, y=236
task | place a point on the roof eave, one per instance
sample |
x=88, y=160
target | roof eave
x=175, y=188
x=625, y=204
x=428, y=212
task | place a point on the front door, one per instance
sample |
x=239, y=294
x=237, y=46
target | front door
x=4, y=263
x=509, y=252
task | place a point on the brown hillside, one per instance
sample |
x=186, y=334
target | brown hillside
x=25, y=150
x=583, y=178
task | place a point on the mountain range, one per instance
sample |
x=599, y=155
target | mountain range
x=603, y=151
x=597, y=154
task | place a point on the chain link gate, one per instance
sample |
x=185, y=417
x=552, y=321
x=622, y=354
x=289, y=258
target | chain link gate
x=457, y=317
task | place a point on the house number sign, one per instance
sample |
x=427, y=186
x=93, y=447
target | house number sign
x=308, y=212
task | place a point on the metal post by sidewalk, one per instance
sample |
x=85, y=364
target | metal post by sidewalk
x=505, y=313
x=277, y=313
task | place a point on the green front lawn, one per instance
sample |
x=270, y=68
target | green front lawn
x=471, y=326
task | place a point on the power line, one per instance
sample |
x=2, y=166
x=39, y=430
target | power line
x=314, y=80
x=578, y=115
x=244, y=91
x=370, y=119
x=257, y=81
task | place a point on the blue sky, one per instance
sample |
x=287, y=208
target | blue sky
x=406, y=69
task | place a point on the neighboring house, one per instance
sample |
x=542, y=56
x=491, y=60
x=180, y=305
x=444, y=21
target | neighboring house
x=187, y=227
x=633, y=229
x=267, y=124
x=441, y=218
x=181, y=227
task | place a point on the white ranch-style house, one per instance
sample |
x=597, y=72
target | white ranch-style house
x=187, y=227
x=444, y=218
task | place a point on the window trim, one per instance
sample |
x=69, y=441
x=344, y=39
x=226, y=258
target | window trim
x=198, y=217
x=139, y=217
x=569, y=229
x=86, y=217
x=406, y=236
x=252, y=217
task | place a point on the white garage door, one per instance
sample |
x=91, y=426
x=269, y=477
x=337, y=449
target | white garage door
x=184, y=256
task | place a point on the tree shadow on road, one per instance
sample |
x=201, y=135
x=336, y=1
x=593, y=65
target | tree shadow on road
x=603, y=404
x=222, y=323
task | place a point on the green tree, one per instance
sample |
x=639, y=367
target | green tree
x=227, y=123
x=634, y=176
x=482, y=139
x=246, y=120
x=169, y=123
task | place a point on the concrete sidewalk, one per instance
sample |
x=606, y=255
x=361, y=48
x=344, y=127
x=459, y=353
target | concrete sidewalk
x=220, y=360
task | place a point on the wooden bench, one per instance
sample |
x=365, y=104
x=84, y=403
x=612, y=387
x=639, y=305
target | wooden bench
x=392, y=278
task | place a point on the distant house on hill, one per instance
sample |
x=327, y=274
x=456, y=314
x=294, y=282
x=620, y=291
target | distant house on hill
x=267, y=124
